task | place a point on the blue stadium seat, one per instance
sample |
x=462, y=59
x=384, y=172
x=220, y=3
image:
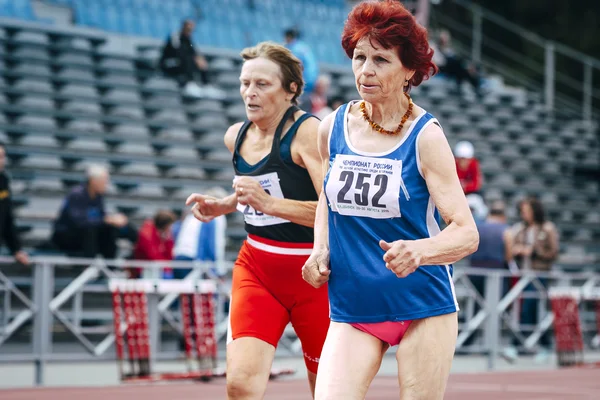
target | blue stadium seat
x=113, y=19
x=130, y=22
x=61, y=2
x=17, y=9
x=203, y=35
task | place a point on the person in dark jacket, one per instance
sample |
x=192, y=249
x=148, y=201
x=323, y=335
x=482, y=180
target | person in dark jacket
x=181, y=61
x=8, y=230
x=83, y=228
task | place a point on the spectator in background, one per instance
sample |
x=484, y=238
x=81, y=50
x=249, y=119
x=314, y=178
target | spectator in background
x=83, y=229
x=453, y=66
x=467, y=166
x=310, y=72
x=535, y=248
x=318, y=98
x=155, y=242
x=469, y=174
x=201, y=241
x=181, y=61
x=422, y=9
x=478, y=207
x=494, y=252
x=536, y=239
x=8, y=230
x=495, y=245
x=495, y=240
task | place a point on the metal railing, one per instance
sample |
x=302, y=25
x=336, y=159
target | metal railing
x=538, y=64
x=48, y=301
x=44, y=303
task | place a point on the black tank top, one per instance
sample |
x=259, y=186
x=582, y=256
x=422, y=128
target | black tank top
x=280, y=177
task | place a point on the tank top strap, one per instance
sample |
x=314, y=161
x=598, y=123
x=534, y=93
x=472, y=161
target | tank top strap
x=294, y=128
x=336, y=138
x=422, y=122
x=285, y=145
x=275, y=149
x=279, y=131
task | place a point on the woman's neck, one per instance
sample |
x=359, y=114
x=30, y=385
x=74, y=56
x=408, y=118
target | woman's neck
x=268, y=125
x=388, y=113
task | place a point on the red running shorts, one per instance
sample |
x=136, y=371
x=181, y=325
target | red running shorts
x=268, y=292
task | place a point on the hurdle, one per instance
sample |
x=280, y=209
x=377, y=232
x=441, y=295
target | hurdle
x=130, y=312
x=132, y=333
x=568, y=332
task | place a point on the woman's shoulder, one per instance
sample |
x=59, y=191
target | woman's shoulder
x=549, y=226
x=231, y=135
x=517, y=227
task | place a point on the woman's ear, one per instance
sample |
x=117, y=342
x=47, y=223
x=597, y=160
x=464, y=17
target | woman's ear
x=293, y=87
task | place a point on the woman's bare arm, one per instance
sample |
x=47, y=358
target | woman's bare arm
x=460, y=238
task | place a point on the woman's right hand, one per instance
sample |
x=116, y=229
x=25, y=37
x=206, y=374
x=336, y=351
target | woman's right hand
x=205, y=208
x=316, y=269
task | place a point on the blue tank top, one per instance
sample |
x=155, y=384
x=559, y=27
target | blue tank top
x=491, y=252
x=373, y=196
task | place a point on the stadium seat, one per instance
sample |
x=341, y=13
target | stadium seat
x=135, y=148
x=78, y=91
x=36, y=102
x=147, y=169
x=80, y=106
x=33, y=85
x=69, y=59
x=77, y=74
x=87, y=145
x=128, y=112
x=38, y=141
x=186, y=172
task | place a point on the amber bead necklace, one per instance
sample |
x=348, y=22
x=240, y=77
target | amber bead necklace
x=378, y=127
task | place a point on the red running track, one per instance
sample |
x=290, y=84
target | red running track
x=566, y=384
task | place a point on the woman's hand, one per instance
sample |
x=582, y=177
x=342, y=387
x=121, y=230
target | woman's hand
x=402, y=257
x=316, y=269
x=250, y=192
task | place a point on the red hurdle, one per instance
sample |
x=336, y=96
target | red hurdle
x=197, y=304
x=567, y=325
x=130, y=311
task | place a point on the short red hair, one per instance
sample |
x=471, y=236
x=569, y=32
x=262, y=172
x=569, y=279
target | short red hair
x=391, y=25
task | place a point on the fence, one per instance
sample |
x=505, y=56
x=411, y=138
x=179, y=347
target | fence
x=73, y=294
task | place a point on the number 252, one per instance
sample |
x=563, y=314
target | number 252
x=362, y=198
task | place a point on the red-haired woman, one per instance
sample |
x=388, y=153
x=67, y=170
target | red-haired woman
x=389, y=171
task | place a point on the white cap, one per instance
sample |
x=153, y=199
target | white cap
x=464, y=149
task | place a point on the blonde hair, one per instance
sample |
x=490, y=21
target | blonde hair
x=96, y=171
x=289, y=64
